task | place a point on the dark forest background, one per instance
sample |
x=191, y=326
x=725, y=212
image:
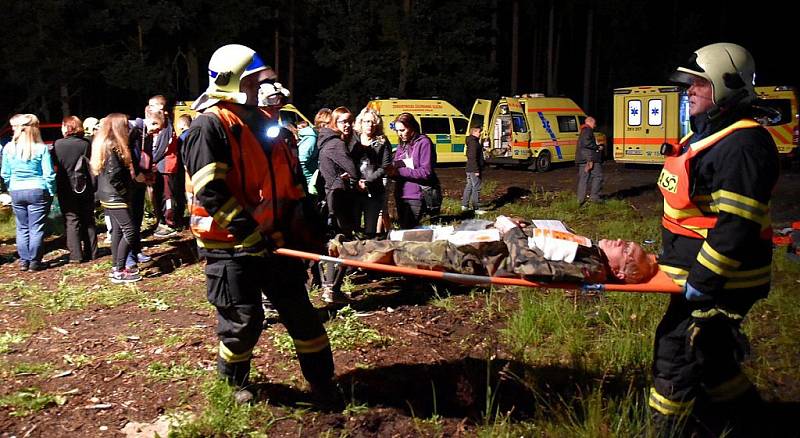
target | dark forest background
x=92, y=57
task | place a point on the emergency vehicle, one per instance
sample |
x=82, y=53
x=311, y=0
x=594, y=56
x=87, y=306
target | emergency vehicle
x=438, y=119
x=647, y=116
x=531, y=130
x=287, y=114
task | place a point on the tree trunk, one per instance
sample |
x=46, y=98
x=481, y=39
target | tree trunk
x=550, y=48
x=64, y=92
x=495, y=32
x=514, y=45
x=405, y=51
x=290, y=78
x=277, y=63
x=193, y=71
x=587, y=60
x=557, y=56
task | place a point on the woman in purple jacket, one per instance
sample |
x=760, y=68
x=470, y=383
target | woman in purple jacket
x=412, y=168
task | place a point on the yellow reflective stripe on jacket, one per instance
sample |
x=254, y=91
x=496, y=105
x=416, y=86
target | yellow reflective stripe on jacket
x=715, y=311
x=716, y=262
x=249, y=241
x=227, y=212
x=680, y=214
x=729, y=390
x=677, y=275
x=312, y=345
x=713, y=138
x=113, y=205
x=742, y=206
x=749, y=278
x=667, y=406
x=230, y=357
x=208, y=173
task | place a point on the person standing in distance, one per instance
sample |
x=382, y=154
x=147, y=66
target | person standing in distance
x=589, y=157
x=247, y=185
x=474, y=169
x=717, y=244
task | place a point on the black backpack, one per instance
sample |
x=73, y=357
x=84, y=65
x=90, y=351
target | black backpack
x=79, y=178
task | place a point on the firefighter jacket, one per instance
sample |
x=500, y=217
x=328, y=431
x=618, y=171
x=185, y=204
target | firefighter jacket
x=246, y=183
x=716, y=226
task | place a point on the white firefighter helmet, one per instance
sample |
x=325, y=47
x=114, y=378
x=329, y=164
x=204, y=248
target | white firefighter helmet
x=227, y=67
x=729, y=67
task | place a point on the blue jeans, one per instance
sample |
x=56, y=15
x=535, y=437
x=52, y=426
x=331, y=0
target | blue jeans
x=31, y=207
x=472, y=191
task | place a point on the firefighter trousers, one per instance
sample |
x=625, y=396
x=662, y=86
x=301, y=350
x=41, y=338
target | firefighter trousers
x=697, y=357
x=234, y=287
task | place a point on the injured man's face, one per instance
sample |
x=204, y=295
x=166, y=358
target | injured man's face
x=628, y=261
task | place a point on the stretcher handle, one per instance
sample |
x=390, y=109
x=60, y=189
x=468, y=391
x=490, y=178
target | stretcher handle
x=469, y=279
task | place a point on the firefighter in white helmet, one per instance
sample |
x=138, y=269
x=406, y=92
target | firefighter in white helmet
x=717, y=245
x=248, y=200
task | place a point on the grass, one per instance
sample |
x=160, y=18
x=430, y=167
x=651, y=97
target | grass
x=172, y=371
x=8, y=339
x=30, y=400
x=345, y=332
x=221, y=416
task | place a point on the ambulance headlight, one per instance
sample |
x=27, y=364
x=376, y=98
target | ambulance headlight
x=273, y=131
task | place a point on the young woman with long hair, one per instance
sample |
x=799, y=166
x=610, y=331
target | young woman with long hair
x=375, y=155
x=111, y=162
x=27, y=170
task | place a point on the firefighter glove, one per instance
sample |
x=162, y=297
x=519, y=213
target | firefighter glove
x=695, y=295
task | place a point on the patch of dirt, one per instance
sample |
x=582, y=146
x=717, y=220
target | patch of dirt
x=440, y=360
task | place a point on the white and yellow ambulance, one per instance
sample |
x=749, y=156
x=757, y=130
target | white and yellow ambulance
x=647, y=116
x=438, y=119
x=531, y=130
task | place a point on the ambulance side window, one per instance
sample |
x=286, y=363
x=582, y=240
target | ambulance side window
x=460, y=126
x=654, y=112
x=434, y=125
x=634, y=112
x=519, y=123
x=567, y=123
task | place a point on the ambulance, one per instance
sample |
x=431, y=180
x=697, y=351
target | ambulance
x=438, y=119
x=287, y=114
x=647, y=116
x=531, y=130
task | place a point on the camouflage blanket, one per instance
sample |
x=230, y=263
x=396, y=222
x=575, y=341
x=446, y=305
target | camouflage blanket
x=509, y=258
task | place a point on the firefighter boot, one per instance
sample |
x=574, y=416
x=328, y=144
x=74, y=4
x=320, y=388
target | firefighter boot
x=327, y=396
x=237, y=375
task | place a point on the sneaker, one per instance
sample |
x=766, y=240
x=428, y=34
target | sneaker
x=24, y=265
x=333, y=296
x=36, y=266
x=165, y=231
x=143, y=258
x=464, y=208
x=125, y=276
x=131, y=269
x=479, y=211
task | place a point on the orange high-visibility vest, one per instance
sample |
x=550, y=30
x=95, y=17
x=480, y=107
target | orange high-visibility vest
x=681, y=215
x=261, y=182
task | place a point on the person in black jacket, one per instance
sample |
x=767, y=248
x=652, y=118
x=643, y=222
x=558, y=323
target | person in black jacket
x=717, y=244
x=375, y=155
x=343, y=183
x=589, y=158
x=111, y=163
x=75, y=190
x=474, y=169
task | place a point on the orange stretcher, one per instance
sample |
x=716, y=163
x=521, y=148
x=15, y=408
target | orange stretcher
x=660, y=283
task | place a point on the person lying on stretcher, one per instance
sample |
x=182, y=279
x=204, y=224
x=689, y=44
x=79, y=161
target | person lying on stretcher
x=512, y=249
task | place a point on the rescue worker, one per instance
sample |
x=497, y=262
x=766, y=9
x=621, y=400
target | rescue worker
x=247, y=187
x=717, y=244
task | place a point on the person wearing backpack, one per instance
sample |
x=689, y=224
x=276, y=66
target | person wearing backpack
x=75, y=190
